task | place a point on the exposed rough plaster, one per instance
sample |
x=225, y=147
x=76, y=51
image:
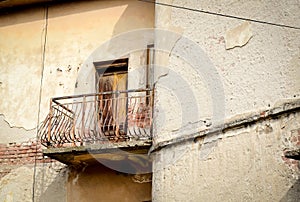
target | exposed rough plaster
x=241, y=155
x=177, y=95
x=245, y=157
x=175, y=45
x=238, y=36
x=14, y=186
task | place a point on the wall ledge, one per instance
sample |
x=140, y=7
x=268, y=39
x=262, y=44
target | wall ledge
x=240, y=121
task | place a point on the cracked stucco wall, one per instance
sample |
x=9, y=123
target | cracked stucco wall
x=15, y=133
x=258, y=69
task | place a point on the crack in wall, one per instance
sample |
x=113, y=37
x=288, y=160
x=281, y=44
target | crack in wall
x=10, y=134
x=174, y=45
x=3, y=119
x=160, y=77
x=170, y=53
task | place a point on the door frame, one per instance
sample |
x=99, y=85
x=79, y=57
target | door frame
x=108, y=68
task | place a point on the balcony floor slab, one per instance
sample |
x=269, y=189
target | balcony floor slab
x=121, y=154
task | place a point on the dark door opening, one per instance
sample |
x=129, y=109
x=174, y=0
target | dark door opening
x=111, y=84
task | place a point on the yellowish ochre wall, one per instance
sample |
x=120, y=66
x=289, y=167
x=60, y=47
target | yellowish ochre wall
x=74, y=31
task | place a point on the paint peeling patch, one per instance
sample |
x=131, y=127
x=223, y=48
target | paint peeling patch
x=238, y=36
x=10, y=134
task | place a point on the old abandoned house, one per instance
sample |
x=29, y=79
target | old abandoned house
x=149, y=101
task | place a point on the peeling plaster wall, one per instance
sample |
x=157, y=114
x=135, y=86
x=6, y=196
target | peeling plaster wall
x=258, y=70
x=244, y=164
x=15, y=133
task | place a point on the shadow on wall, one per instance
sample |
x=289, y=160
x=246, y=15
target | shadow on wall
x=293, y=194
x=99, y=183
x=50, y=182
x=137, y=14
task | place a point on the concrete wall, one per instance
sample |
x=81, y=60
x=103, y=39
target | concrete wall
x=212, y=70
x=43, y=52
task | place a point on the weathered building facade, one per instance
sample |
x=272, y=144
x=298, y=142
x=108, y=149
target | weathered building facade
x=203, y=95
x=52, y=49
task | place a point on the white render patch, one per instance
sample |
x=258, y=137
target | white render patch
x=238, y=36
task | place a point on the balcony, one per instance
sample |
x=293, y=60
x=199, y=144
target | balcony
x=99, y=123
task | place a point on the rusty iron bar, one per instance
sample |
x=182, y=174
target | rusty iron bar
x=83, y=114
x=93, y=119
x=59, y=104
x=49, y=126
x=101, y=93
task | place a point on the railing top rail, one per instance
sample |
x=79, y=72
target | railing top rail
x=101, y=93
x=81, y=119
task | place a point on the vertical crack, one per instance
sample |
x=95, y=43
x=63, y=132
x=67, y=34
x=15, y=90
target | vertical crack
x=44, y=43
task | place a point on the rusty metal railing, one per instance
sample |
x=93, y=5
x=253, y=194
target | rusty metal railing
x=98, y=118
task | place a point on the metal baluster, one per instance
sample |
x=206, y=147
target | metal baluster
x=82, y=121
x=49, y=126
